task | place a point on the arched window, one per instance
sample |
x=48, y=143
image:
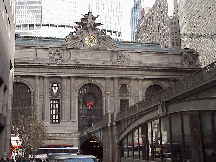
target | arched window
x=21, y=96
x=152, y=89
x=89, y=106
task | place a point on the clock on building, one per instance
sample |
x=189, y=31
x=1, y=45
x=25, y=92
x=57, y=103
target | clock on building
x=90, y=40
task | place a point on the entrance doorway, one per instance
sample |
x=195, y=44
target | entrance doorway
x=92, y=146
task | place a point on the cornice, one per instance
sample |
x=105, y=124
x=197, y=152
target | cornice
x=105, y=67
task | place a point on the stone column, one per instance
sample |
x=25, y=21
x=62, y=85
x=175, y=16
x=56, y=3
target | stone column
x=68, y=87
x=116, y=97
x=46, y=107
x=41, y=96
x=132, y=92
x=64, y=99
x=140, y=85
x=73, y=111
x=36, y=96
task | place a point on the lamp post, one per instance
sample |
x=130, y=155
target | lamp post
x=108, y=100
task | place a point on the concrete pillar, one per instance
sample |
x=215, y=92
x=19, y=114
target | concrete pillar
x=46, y=108
x=118, y=153
x=73, y=110
x=116, y=97
x=63, y=99
x=196, y=142
x=140, y=91
x=36, y=96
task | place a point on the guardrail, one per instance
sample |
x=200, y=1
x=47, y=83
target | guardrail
x=94, y=128
x=190, y=82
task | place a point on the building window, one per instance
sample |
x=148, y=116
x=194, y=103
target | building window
x=124, y=103
x=55, y=111
x=152, y=90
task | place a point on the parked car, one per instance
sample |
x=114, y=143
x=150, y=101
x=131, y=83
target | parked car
x=37, y=160
x=75, y=158
x=51, y=156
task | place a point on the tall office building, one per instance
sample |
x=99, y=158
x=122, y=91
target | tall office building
x=160, y=25
x=197, y=27
x=7, y=50
x=45, y=19
x=57, y=19
x=136, y=14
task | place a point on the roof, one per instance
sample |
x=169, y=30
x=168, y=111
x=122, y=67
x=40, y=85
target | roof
x=48, y=41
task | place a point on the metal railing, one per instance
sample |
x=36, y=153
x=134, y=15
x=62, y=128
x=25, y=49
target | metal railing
x=190, y=82
x=94, y=128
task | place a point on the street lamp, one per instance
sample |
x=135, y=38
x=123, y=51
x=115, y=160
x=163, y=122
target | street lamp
x=108, y=100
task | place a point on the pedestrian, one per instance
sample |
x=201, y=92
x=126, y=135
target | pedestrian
x=4, y=159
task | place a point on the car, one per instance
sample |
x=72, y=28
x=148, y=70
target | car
x=75, y=158
x=51, y=156
x=37, y=160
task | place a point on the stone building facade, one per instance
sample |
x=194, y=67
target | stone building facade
x=160, y=25
x=197, y=28
x=7, y=47
x=67, y=82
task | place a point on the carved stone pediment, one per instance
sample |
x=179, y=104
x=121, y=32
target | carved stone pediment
x=120, y=57
x=123, y=58
x=55, y=54
x=88, y=36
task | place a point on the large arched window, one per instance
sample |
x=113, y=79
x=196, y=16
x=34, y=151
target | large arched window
x=21, y=101
x=152, y=89
x=89, y=106
x=21, y=96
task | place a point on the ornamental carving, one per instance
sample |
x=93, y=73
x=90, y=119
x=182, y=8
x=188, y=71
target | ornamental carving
x=75, y=41
x=124, y=88
x=88, y=36
x=123, y=58
x=55, y=54
x=55, y=89
x=190, y=58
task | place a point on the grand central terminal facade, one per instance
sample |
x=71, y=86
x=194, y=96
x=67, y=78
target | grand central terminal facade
x=67, y=81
